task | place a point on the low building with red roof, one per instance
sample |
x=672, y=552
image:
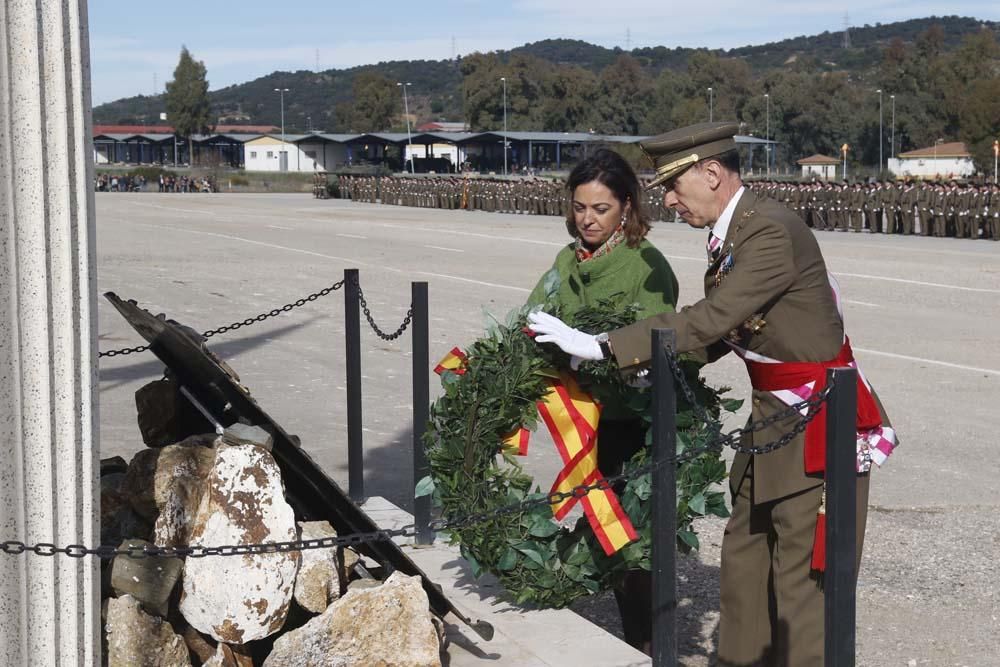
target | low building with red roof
x=945, y=159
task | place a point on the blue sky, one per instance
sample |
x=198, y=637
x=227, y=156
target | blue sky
x=136, y=44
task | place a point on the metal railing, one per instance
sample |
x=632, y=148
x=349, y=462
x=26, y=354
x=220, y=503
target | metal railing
x=839, y=397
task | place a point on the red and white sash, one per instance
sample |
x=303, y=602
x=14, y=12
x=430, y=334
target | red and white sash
x=875, y=441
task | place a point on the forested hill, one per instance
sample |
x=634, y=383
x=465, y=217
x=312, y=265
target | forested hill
x=820, y=94
x=867, y=43
x=437, y=85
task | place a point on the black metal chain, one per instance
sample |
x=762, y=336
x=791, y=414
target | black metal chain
x=275, y=311
x=714, y=444
x=243, y=323
x=15, y=547
x=371, y=321
x=732, y=439
x=123, y=351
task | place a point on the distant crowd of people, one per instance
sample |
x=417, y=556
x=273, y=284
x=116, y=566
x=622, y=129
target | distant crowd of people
x=119, y=183
x=928, y=208
x=165, y=183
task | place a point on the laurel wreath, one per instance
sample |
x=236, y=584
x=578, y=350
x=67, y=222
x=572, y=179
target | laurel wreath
x=536, y=559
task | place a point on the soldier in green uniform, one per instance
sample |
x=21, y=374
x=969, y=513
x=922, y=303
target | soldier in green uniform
x=993, y=213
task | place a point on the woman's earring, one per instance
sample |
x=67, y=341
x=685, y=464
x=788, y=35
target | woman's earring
x=624, y=219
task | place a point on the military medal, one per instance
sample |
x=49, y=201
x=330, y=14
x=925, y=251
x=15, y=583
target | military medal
x=755, y=323
x=725, y=266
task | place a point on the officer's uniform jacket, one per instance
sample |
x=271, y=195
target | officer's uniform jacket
x=775, y=299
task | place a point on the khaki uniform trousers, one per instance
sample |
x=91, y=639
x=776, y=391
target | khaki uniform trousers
x=771, y=602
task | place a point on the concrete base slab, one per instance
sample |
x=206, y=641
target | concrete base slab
x=524, y=637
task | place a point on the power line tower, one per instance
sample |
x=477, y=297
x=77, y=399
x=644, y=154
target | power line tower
x=155, y=89
x=317, y=61
x=628, y=40
x=453, y=48
x=847, y=31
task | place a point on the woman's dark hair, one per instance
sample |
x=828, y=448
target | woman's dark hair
x=612, y=171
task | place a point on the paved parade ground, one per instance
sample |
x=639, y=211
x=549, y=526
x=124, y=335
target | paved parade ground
x=922, y=314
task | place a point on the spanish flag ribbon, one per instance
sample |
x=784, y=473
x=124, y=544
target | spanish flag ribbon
x=517, y=442
x=571, y=416
x=455, y=361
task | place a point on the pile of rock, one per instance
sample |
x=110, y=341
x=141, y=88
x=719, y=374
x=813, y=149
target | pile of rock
x=312, y=607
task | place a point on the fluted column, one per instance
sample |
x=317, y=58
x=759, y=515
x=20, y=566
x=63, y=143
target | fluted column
x=49, y=606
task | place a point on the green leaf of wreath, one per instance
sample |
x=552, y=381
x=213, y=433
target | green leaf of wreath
x=425, y=487
x=536, y=559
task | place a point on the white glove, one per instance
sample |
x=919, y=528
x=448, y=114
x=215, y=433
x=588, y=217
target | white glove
x=569, y=340
x=641, y=379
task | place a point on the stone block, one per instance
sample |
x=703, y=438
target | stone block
x=150, y=579
x=137, y=639
x=387, y=625
x=165, y=416
x=237, y=599
x=318, y=581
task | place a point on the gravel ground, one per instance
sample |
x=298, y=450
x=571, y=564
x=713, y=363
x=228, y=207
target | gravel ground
x=922, y=312
x=928, y=594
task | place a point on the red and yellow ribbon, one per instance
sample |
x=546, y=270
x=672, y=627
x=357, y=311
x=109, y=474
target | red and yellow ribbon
x=571, y=415
x=455, y=361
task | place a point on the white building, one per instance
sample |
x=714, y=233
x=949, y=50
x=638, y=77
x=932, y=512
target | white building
x=303, y=152
x=819, y=166
x=940, y=161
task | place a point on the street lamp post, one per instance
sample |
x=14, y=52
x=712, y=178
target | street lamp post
x=283, y=160
x=996, y=153
x=503, y=80
x=406, y=110
x=711, y=103
x=767, y=133
x=881, y=164
x=892, y=131
x=937, y=169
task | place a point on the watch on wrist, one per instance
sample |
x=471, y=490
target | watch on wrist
x=604, y=342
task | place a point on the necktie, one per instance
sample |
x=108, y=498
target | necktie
x=713, y=246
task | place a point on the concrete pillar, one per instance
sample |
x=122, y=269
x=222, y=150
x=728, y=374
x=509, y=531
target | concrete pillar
x=49, y=606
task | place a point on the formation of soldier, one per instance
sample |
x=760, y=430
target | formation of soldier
x=959, y=210
x=535, y=196
x=927, y=208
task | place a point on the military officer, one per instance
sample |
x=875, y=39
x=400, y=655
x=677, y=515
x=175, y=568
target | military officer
x=768, y=299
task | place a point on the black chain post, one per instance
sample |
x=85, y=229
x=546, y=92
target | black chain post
x=421, y=408
x=664, y=502
x=352, y=350
x=839, y=579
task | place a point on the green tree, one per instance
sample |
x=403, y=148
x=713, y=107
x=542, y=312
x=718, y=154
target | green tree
x=976, y=67
x=670, y=90
x=568, y=105
x=481, y=91
x=376, y=102
x=625, y=97
x=979, y=120
x=188, y=108
x=528, y=84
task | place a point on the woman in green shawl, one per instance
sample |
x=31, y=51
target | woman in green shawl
x=610, y=257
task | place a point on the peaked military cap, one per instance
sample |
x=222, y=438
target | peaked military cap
x=675, y=151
